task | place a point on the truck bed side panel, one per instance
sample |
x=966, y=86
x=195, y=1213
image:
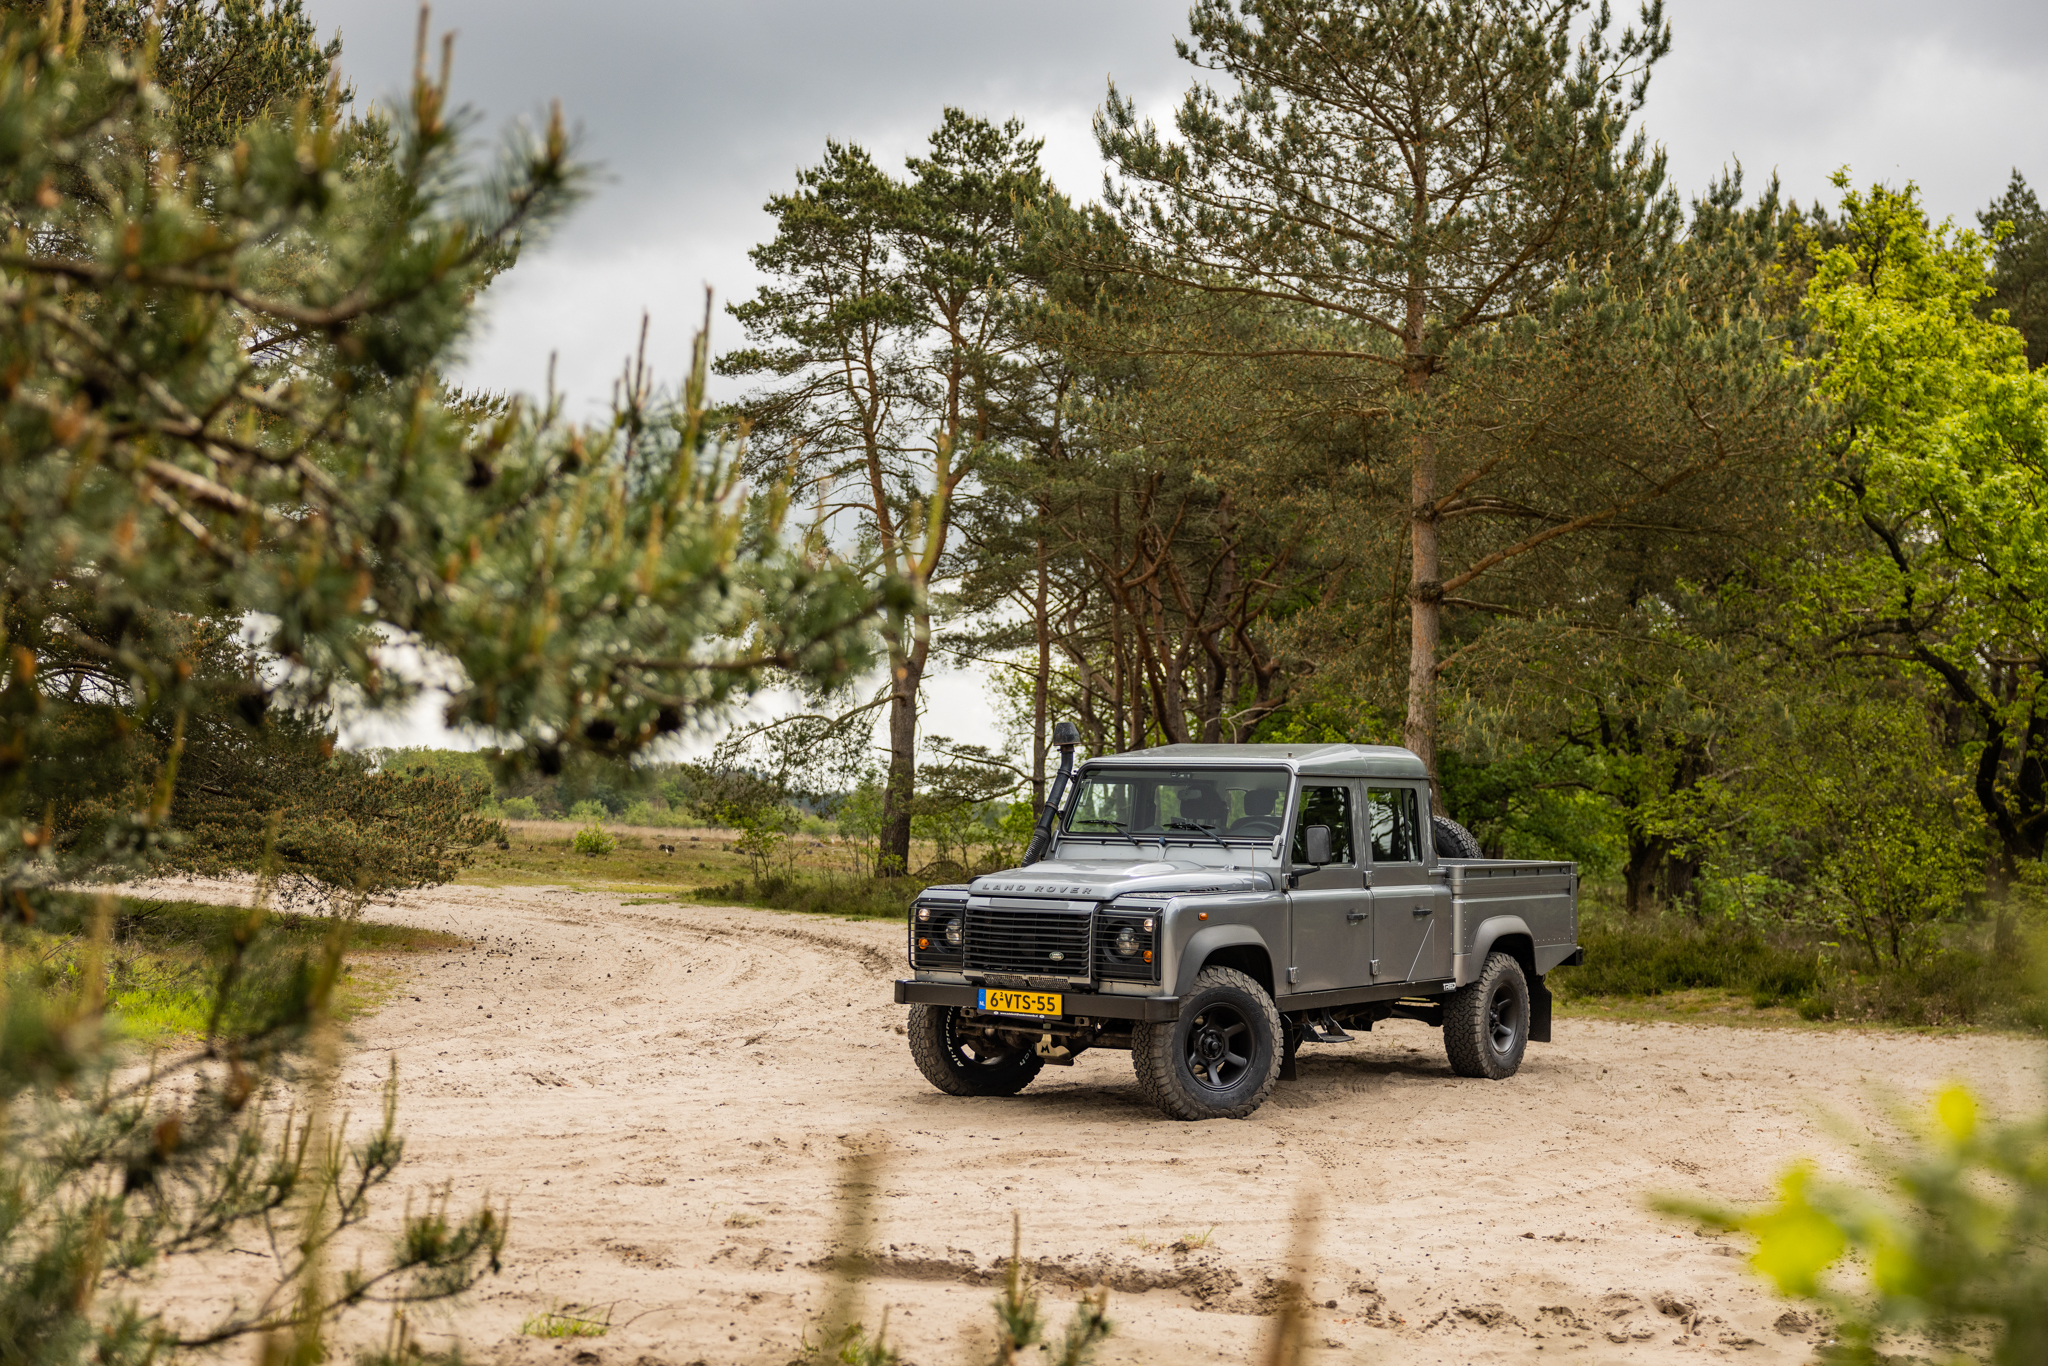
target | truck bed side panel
x=1544, y=896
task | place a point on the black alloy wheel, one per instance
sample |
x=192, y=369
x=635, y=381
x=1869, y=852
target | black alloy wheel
x=963, y=1063
x=1213, y=1043
x=1219, y=1060
x=1486, y=1022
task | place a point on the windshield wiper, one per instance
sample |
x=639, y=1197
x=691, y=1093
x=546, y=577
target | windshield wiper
x=1200, y=829
x=1117, y=826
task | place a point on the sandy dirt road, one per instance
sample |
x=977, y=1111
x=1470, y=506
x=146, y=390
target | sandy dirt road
x=666, y=1095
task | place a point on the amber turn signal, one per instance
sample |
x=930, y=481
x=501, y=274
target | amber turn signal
x=924, y=943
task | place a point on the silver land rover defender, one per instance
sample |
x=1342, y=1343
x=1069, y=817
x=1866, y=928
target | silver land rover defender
x=1211, y=908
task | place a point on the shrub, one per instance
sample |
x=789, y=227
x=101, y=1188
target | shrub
x=594, y=839
x=588, y=811
x=1653, y=958
x=519, y=809
x=859, y=898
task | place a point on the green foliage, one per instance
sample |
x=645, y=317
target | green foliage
x=298, y=298
x=1955, y=1247
x=1964, y=982
x=856, y=898
x=104, y=1191
x=228, y=310
x=519, y=809
x=218, y=63
x=588, y=811
x=467, y=767
x=2018, y=231
x=886, y=358
x=160, y=963
x=569, y=1321
x=1933, y=551
x=1636, y=958
x=1021, y=1326
x=593, y=840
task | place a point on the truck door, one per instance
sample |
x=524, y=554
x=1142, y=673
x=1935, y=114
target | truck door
x=1411, y=930
x=1330, y=916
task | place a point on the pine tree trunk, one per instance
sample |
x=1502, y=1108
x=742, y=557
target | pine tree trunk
x=905, y=674
x=1425, y=598
x=1041, y=682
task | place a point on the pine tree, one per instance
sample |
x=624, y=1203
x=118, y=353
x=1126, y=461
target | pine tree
x=2019, y=263
x=220, y=402
x=886, y=340
x=1418, y=171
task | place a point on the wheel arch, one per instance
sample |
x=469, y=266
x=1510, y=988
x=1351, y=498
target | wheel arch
x=1507, y=934
x=1226, y=946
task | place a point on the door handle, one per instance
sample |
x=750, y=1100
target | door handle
x=1354, y=916
x=1423, y=908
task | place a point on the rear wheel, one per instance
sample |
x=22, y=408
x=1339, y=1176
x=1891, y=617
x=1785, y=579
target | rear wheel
x=966, y=1064
x=1486, y=1024
x=1219, y=1060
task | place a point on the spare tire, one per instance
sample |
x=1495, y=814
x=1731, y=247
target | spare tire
x=1452, y=839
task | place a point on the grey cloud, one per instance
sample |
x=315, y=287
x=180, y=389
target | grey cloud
x=698, y=112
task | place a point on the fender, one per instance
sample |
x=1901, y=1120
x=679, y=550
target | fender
x=1467, y=965
x=1205, y=942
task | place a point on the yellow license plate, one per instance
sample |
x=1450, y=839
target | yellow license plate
x=1021, y=1002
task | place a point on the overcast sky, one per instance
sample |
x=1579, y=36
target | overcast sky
x=696, y=112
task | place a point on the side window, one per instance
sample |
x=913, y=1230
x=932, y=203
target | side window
x=1329, y=806
x=1396, y=818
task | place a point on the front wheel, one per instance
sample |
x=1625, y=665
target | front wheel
x=1219, y=1060
x=962, y=1064
x=1486, y=1023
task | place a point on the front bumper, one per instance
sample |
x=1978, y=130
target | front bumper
x=910, y=992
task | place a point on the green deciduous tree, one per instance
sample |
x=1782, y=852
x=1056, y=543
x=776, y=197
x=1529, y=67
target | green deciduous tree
x=1936, y=490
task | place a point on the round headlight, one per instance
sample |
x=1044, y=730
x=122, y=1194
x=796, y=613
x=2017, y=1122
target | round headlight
x=953, y=931
x=1126, y=942
x=924, y=913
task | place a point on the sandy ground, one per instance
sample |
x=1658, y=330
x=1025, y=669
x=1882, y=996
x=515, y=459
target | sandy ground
x=667, y=1094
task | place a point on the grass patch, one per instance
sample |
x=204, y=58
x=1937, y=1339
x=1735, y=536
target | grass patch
x=857, y=898
x=1670, y=967
x=569, y=1321
x=162, y=961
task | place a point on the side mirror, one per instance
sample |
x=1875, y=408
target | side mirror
x=1317, y=837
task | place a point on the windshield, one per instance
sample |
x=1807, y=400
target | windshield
x=1232, y=804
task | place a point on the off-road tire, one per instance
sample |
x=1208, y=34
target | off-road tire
x=958, y=1066
x=1486, y=1024
x=1452, y=839
x=1227, y=1010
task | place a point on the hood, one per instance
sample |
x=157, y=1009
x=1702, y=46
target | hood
x=1102, y=881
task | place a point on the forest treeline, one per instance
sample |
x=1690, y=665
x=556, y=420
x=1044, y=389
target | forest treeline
x=1393, y=394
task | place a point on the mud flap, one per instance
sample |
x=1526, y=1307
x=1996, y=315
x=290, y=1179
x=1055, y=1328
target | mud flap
x=1539, y=1011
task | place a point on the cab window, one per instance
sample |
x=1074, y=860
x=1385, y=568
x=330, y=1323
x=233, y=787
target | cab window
x=1396, y=824
x=1329, y=806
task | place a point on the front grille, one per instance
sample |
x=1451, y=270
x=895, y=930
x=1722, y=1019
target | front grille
x=1025, y=941
x=1142, y=965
